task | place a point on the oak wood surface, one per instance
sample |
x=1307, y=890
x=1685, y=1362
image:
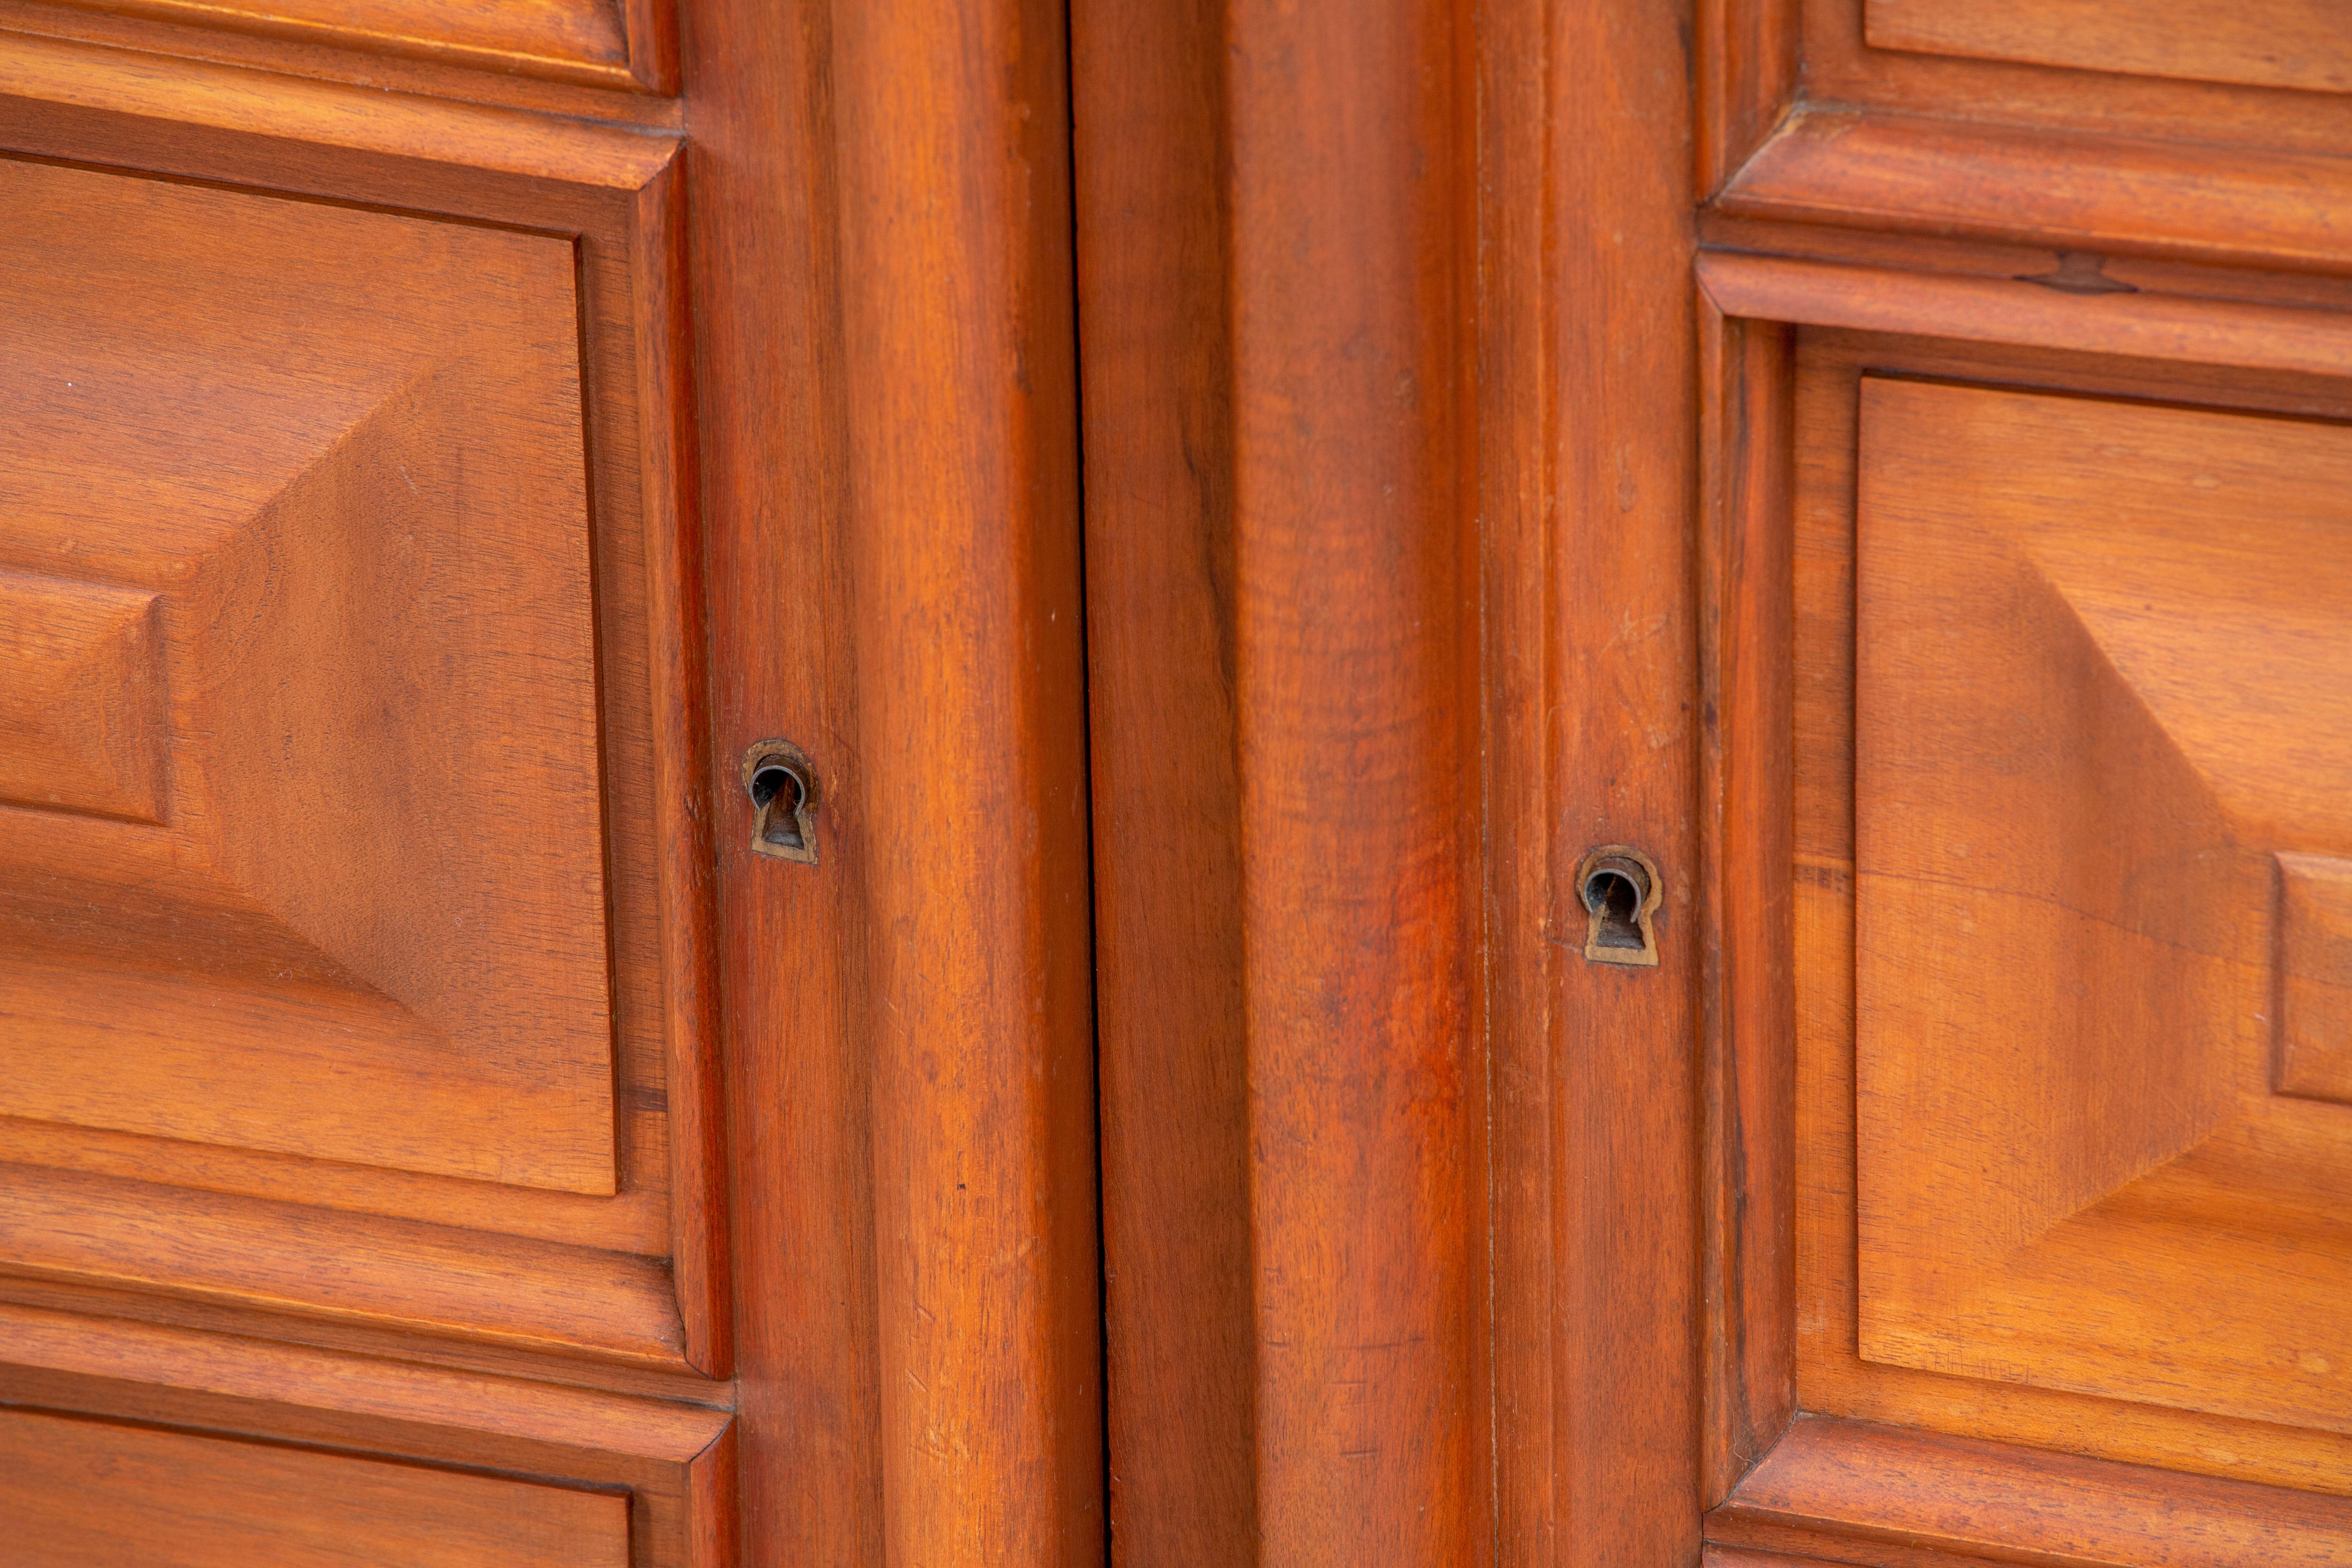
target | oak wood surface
x=44, y=82
x=2092, y=796
x=1876, y=1495
x=623, y=44
x=1747, y=821
x=81, y=1491
x=773, y=478
x=1844, y=66
x=1614, y=1260
x=2314, y=967
x=1833, y=1378
x=1154, y=250
x=961, y=545
x=2302, y=44
x=2074, y=190
x=330, y=813
x=674, y=1459
x=1278, y=564
x=2008, y=310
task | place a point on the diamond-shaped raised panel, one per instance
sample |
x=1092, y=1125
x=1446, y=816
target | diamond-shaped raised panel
x=297, y=496
x=2103, y=714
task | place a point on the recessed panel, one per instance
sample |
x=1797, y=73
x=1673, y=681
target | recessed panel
x=2263, y=43
x=302, y=837
x=583, y=40
x=2103, y=695
x=79, y=1492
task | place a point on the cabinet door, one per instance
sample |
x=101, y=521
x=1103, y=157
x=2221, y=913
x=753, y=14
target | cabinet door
x=2033, y=467
x=1721, y=650
x=437, y=562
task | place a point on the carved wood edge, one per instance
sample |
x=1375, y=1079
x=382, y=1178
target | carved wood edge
x=2066, y=190
x=68, y=74
x=2144, y=325
x=623, y=44
x=1884, y=1496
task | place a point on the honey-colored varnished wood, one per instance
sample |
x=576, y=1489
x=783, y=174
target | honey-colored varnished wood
x=78, y=1492
x=1884, y=1496
x=2067, y=801
x=1278, y=565
x=611, y=43
x=2304, y=43
x=350, y=503
x=2036, y=1389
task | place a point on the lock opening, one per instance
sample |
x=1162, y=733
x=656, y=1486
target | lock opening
x=783, y=788
x=1619, y=887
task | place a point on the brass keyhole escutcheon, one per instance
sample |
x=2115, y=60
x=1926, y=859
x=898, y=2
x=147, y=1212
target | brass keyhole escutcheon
x=782, y=787
x=1620, y=892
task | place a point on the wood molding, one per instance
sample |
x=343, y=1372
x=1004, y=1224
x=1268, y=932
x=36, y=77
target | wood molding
x=672, y=1458
x=626, y=44
x=2065, y=189
x=1590, y=378
x=1994, y=310
x=1284, y=600
x=968, y=765
x=59, y=75
x=1894, y=1498
x=1748, y=1199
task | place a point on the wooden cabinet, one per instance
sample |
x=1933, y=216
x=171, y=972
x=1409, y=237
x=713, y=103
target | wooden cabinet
x=1254, y=532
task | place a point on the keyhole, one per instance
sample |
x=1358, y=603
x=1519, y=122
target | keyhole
x=783, y=788
x=1619, y=887
x=1617, y=900
x=776, y=786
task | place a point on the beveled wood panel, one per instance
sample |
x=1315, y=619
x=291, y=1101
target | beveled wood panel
x=1887, y=1498
x=75, y=1492
x=370, y=924
x=2096, y=1364
x=2264, y=43
x=545, y=327
x=675, y=1461
x=1915, y=173
x=2105, y=674
x=613, y=43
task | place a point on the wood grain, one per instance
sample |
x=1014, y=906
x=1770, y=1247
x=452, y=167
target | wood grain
x=1154, y=273
x=665, y=1456
x=802, y=1231
x=173, y=446
x=2095, y=806
x=1746, y=821
x=623, y=44
x=2006, y=311
x=2302, y=44
x=77, y=1492
x=1881, y=1496
x=1278, y=570
x=962, y=551
x=2069, y=190
x=348, y=1268
x=604, y=200
x=53, y=78
x=1842, y=67
x=1832, y=1377
x=2313, y=962
x=81, y=726
x=1612, y=1260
